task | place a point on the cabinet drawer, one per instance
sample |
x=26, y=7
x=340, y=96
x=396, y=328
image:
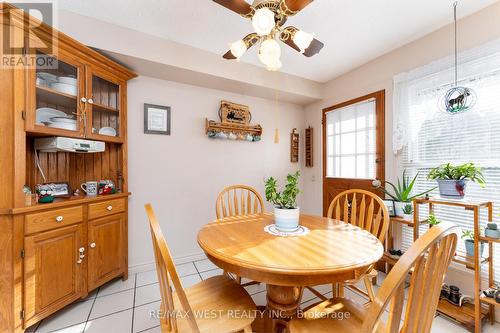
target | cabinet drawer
x=106, y=208
x=52, y=219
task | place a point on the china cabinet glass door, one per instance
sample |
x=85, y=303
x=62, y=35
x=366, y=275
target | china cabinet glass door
x=104, y=109
x=54, y=94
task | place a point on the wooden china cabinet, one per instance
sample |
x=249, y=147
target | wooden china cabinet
x=53, y=254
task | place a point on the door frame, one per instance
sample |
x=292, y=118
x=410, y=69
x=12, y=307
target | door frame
x=379, y=97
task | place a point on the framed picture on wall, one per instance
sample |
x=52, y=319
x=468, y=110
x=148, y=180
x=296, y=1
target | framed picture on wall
x=390, y=207
x=156, y=119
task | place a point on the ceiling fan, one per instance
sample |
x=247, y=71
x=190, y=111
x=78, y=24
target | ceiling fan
x=268, y=18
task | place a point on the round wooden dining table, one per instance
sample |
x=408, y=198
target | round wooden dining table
x=332, y=252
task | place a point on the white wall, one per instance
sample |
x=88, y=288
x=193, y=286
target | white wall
x=182, y=174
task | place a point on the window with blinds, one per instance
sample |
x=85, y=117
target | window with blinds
x=470, y=137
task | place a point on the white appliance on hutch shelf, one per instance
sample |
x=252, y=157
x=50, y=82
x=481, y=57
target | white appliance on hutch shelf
x=55, y=144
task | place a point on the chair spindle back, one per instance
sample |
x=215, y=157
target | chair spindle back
x=167, y=275
x=238, y=200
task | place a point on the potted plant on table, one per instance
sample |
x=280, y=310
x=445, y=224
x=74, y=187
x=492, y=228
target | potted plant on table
x=468, y=237
x=286, y=211
x=452, y=179
x=402, y=193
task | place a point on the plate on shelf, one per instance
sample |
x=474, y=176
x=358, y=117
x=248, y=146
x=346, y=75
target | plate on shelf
x=49, y=78
x=64, y=88
x=43, y=115
x=67, y=80
x=66, y=126
x=109, y=131
x=66, y=120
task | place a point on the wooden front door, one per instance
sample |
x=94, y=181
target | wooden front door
x=52, y=271
x=353, y=146
x=106, y=249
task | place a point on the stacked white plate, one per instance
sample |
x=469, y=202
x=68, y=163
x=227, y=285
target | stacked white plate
x=45, y=79
x=64, y=88
x=63, y=123
x=43, y=115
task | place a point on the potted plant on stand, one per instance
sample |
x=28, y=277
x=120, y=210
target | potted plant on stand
x=452, y=180
x=408, y=212
x=402, y=194
x=468, y=237
x=286, y=211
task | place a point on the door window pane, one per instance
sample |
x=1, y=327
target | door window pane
x=351, y=141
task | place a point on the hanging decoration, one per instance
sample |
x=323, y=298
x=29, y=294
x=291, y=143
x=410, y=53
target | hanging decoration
x=457, y=99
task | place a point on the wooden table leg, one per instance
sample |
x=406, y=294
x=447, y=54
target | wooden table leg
x=283, y=303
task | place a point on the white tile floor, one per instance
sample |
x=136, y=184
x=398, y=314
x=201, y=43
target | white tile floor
x=124, y=306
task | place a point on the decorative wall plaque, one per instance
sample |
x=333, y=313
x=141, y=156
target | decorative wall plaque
x=234, y=113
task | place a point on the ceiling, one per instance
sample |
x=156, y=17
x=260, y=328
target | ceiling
x=354, y=31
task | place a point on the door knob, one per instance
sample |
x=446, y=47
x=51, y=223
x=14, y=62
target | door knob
x=91, y=101
x=376, y=183
x=83, y=100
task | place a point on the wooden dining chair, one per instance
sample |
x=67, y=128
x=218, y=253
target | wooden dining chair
x=204, y=307
x=238, y=200
x=427, y=260
x=367, y=211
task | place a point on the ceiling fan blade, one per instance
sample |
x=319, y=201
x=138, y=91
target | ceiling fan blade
x=292, y=7
x=229, y=55
x=287, y=38
x=238, y=6
x=314, y=48
x=250, y=40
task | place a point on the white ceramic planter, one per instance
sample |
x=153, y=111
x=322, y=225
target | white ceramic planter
x=408, y=217
x=450, y=188
x=286, y=219
x=398, y=206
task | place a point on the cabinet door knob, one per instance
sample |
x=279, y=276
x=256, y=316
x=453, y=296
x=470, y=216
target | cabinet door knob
x=83, y=99
x=110, y=208
x=93, y=245
x=91, y=101
x=59, y=218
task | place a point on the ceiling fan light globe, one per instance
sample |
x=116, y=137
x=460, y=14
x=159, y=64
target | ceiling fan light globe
x=238, y=48
x=274, y=66
x=303, y=40
x=269, y=52
x=263, y=21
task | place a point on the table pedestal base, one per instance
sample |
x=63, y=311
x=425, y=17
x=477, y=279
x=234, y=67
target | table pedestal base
x=282, y=305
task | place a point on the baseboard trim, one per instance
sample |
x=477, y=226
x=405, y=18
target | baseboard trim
x=149, y=266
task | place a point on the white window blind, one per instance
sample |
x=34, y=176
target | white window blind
x=438, y=138
x=351, y=141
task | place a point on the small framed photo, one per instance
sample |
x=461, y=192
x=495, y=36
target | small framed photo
x=390, y=207
x=57, y=190
x=156, y=119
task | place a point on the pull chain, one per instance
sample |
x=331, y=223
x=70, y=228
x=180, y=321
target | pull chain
x=456, y=43
x=276, y=131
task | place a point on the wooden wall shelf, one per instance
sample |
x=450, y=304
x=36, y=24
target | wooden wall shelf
x=309, y=145
x=212, y=126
